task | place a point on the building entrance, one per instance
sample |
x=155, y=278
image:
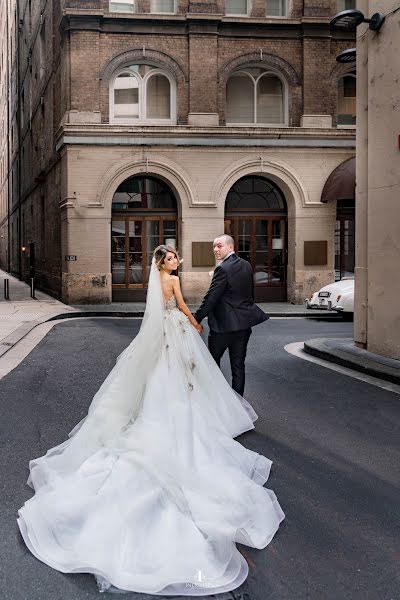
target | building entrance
x=256, y=218
x=144, y=215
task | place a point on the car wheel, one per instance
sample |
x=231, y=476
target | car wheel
x=348, y=316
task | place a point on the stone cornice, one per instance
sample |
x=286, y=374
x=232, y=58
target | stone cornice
x=97, y=20
x=106, y=134
x=188, y=131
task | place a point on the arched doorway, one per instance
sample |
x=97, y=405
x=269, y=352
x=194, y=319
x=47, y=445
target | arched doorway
x=340, y=187
x=256, y=217
x=345, y=242
x=144, y=215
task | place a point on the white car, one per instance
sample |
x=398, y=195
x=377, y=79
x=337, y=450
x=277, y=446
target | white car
x=338, y=296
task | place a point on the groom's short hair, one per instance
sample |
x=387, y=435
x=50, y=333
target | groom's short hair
x=227, y=238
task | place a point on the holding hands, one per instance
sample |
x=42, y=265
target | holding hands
x=199, y=328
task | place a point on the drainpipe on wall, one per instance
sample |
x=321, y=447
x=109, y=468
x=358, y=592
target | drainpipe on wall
x=19, y=147
x=8, y=140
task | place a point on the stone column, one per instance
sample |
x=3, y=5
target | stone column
x=361, y=258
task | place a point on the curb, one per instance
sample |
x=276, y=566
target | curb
x=117, y=313
x=22, y=331
x=317, y=348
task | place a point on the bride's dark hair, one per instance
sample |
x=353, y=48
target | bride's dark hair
x=160, y=254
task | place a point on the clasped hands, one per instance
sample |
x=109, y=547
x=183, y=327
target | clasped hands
x=199, y=328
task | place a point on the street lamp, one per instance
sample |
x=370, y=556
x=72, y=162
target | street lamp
x=347, y=56
x=348, y=20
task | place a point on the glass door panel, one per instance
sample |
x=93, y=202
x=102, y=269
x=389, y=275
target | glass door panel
x=135, y=273
x=118, y=264
x=133, y=241
x=349, y=248
x=153, y=229
x=337, y=251
x=245, y=230
x=261, y=266
x=169, y=233
x=278, y=274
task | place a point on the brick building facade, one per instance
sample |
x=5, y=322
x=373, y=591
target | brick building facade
x=135, y=122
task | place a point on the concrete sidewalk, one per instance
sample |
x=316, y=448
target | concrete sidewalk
x=343, y=351
x=21, y=313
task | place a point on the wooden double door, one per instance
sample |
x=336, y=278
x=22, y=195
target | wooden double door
x=262, y=241
x=133, y=240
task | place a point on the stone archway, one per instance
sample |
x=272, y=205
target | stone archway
x=144, y=215
x=256, y=218
x=295, y=195
x=169, y=175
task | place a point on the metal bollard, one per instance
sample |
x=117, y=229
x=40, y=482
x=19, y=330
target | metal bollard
x=6, y=289
x=33, y=288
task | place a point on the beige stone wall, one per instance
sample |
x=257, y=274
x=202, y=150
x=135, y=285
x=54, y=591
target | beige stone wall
x=377, y=312
x=201, y=179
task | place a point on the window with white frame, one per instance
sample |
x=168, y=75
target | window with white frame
x=276, y=8
x=127, y=6
x=346, y=107
x=142, y=93
x=345, y=5
x=256, y=96
x=237, y=7
x=163, y=6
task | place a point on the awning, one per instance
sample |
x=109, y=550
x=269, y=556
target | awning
x=341, y=183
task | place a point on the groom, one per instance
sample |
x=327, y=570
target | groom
x=229, y=305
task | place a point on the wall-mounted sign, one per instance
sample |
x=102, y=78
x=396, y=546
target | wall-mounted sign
x=69, y=257
x=316, y=253
x=202, y=254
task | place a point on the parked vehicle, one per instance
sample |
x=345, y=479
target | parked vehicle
x=338, y=296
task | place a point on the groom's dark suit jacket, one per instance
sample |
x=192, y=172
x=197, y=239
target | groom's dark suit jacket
x=229, y=302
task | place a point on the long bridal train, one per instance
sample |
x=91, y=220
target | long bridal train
x=151, y=492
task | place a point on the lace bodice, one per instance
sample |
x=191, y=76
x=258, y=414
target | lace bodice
x=170, y=304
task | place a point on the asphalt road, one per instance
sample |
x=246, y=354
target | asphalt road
x=334, y=441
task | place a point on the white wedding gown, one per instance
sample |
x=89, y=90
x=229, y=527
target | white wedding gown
x=151, y=492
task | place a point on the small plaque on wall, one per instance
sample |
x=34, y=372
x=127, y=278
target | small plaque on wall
x=202, y=254
x=316, y=253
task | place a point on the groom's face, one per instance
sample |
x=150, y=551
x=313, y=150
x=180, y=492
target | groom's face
x=221, y=248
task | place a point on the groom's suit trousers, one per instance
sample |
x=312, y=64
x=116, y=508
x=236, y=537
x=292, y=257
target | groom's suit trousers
x=236, y=342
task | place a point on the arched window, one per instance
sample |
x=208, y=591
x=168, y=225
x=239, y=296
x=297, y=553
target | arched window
x=142, y=94
x=256, y=96
x=346, y=107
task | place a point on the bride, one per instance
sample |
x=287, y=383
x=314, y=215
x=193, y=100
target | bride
x=151, y=492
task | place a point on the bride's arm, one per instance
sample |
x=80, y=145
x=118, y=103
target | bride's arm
x=182, y=305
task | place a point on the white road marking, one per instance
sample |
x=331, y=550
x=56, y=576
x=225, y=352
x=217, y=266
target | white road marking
x=296, y=349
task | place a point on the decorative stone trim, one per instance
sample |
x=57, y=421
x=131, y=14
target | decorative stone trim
x=293, y=189
x=339, y=70
x=171, y=173
x=268, y=60
x=144, y=54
